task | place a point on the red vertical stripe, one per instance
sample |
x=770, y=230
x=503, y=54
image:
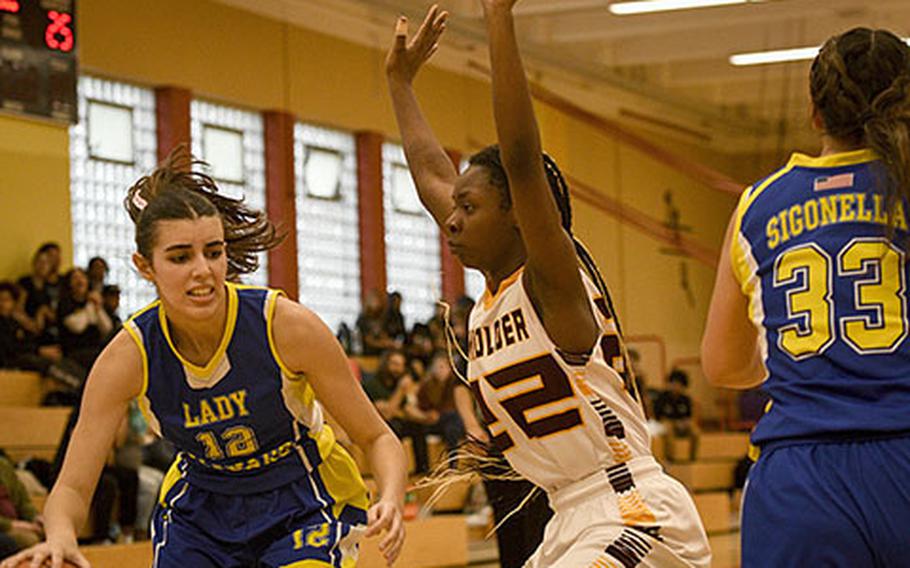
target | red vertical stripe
x=369, y=204
x=172, y=118
x=280, y=198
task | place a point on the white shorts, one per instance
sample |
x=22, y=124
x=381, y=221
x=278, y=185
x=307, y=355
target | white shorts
x=662, y=529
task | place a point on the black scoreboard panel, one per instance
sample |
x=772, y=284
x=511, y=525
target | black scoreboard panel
x=38, y=58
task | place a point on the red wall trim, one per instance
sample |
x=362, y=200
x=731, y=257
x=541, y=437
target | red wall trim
x=280, y=199
x=369, y=204
x=172, y=118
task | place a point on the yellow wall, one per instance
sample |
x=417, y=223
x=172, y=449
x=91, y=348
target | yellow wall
x=237, y=57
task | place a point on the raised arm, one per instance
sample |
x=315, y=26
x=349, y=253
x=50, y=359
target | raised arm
x=730, y=355
x=432, y=170
x=552, y=269
x=116, y=378
x=307, y=346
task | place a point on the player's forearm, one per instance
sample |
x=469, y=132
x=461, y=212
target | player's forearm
x=516, y=125
x=64, y=513
x=430, y=166
x=389, y=465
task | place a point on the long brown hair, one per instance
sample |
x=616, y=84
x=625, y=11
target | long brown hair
x=175, y=191
x=860, y=85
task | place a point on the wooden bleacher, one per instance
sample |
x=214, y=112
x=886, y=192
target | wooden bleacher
x=21, y=388
x=709, y=476
x=32, y=432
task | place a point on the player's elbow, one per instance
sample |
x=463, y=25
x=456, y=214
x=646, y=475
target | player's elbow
x=724, y=368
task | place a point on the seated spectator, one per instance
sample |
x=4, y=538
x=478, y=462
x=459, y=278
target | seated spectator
x=393, y=319
x=20, y=525
x=19, y=348
x=435, y=404
x=373, y=337
x=674, y=407
x=419, y=349
x=96, y=270
x=389, y=389
x=36, y=300
x=84, y=325
x=54, y=281
x=110, y=301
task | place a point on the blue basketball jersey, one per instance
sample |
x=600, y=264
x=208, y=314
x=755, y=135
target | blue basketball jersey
x=827, y=291
x=242, y=424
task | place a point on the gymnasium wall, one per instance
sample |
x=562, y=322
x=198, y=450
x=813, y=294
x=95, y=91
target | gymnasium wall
x=235, y=57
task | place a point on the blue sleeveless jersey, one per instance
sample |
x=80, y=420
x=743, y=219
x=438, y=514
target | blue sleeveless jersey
x=828, y=292
x=242, y=424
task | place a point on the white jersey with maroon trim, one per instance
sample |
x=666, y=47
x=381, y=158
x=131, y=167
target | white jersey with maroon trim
x=557, y=417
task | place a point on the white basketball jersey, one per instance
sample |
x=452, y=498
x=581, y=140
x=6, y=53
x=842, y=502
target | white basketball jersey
x=557, y=417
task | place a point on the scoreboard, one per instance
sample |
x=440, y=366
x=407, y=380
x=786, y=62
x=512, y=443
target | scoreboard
x=38, y=65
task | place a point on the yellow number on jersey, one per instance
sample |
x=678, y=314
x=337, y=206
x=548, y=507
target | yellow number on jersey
x=880, y=296
x=809, y=303
x=239, y=441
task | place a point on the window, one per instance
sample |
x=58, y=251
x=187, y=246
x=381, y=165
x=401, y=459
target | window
x=328, y=229
x=474, y=283
x=111, y=146
x=231, y=141
x=411, y=241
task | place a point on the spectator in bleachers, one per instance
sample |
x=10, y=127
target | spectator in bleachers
x=84, y=325
x=20, y=524
x=54, y=281
x=110, y=301
x=389, y=389
x=97, y=270
x=437, y=325
x=419, y=349
x=435, y=407
x=36, y=300
x=19, y=347
x=674, y=408
x=370, y=325
x=393, y=320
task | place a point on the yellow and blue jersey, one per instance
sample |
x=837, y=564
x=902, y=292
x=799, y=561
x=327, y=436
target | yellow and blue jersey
x=244, y=423
x=827, y=290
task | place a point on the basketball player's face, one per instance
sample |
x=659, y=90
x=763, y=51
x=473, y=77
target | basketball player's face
x=188, y=266
x=480, y=231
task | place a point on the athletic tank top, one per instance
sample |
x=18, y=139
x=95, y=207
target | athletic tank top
x=557, y=417
x=827, y=291
x=242, y=424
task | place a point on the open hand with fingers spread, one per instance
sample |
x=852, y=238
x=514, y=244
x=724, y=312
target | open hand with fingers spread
x=405, y=58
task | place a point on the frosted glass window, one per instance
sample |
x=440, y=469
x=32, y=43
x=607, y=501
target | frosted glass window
x=411, y=243
x=216, y=129
x=474, y=283
x=404, y=194
x=222, y=148
x=110, y=132
x=328, y=228
x=322, y=171
x=101, y=226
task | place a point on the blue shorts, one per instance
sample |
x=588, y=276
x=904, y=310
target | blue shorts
x=307, y=522
x=829, y=504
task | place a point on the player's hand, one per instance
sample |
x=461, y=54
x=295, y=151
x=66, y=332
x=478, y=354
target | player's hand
x=46, y=554
x=386, y=516
x=405, y=58
x=27, y=526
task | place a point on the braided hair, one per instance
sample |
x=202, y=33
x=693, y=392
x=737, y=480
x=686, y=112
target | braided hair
x=491, y=159
x=174, y=191
x=860, y=86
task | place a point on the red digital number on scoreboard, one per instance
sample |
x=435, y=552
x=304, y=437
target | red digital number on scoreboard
x=11, y=6
x=58, y=35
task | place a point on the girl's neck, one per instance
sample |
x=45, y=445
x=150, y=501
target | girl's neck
x=831, y=145
x=197, y=340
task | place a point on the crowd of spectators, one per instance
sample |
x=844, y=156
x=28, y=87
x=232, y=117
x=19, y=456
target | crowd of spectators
x=56, y=323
